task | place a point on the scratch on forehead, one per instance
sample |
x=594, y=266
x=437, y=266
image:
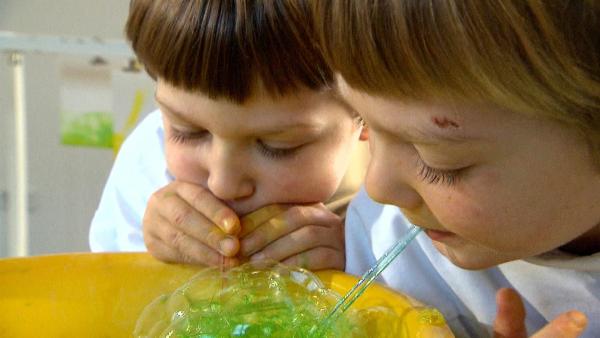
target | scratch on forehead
x=444, y=122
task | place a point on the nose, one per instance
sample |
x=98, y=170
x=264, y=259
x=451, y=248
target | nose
x=385, y=181
x=227, y=174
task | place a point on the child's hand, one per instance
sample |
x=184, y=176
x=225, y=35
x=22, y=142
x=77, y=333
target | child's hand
x=185, y=223
x=309, y=236
x=510, y=320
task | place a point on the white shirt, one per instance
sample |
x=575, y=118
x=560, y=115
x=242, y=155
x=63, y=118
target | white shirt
x=139, y=170
x=549, y=284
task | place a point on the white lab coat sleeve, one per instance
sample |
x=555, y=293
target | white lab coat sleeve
x=139, y=170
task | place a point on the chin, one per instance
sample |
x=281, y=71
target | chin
x=472, y=264
x=467, y=259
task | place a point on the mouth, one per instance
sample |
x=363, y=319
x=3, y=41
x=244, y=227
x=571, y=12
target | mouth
x=241, y=209
x=439, y=235
x=431, y=229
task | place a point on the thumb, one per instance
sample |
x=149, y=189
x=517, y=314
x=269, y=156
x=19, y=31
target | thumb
x=567, y=325
x=510, y=316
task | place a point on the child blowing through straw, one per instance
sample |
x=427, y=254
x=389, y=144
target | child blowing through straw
x=248, y=125
x=484, y=123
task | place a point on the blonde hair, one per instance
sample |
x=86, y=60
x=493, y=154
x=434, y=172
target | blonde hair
x=530, y=56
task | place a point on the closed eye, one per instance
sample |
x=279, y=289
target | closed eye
x=275, y=152
x=180, y=136
x=435, y=175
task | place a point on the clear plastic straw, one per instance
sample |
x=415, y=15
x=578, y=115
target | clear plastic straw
x=368, y=278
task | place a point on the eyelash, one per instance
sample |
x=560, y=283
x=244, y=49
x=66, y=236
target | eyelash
x=275, y=153
x=435, y=176
x=182, y=137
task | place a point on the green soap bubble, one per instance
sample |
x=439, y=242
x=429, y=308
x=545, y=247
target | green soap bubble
x=270, y=300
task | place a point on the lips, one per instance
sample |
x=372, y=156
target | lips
x=438, y=235
x=425, y=222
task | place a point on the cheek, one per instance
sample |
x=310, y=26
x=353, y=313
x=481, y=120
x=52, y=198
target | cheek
x=310, y=178
x=460, y=213
x=486, y=211
x=293, y=191
x=305, y=185
x=317, y=174
x=184, y=164
x=473, y=210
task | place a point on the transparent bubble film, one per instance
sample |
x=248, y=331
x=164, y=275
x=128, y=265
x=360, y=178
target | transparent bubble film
x=266, y=300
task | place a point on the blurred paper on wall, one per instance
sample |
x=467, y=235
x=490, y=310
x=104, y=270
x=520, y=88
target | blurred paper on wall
x=133, y=99
x=85, y=103
x=102, y=100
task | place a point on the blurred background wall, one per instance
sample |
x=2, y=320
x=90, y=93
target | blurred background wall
x=65, y=181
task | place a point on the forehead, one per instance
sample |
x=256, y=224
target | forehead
x=305, y=108
x=431, y=121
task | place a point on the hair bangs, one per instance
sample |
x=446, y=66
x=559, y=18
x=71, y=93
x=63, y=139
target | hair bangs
x=226, y=49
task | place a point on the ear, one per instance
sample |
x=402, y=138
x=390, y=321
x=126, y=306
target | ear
x=364, y=133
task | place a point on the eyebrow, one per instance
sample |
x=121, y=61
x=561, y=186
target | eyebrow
x=278, y=130
x=171, y=110
x=427, y=136
x=432, y=134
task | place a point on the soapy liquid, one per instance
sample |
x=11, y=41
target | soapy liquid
x=257, y=301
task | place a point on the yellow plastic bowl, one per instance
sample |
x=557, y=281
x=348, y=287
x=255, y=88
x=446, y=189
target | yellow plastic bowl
x=102, y=295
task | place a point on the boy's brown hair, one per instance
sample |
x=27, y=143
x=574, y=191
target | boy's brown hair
x=539, y=57
x=226, y=49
